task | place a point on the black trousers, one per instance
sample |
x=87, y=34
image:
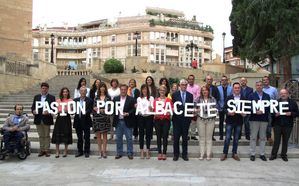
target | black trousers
x=283, y=132
x=83, y=132
x=135, y=129
x=162, y=130
x=221, y=121
x=145, y=126
x=180, y=129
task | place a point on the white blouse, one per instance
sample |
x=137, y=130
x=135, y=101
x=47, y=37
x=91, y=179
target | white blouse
x=143, y=105
x=77, y=93
x=113, y=93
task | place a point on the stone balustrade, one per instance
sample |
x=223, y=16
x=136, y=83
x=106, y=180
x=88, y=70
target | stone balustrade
x=73, y=72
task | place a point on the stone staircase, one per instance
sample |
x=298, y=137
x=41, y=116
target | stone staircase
x=26, y=97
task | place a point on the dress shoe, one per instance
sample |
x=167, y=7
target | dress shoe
x=247, y=138
x=236, y=157
x=86, y=155
x=64, y=156
x=118, y=157
x=284, y=158
x=272, y=158
x=262, y=157
x=47, y=154
x=221, y=138
x=130, y=157
x=185, y=158
x=213, y=138
x=223, y=157
x=78, y=154
x=175, y=158
x=194, y=138
x=252, y=158
x=41, y=153
x=188, y=138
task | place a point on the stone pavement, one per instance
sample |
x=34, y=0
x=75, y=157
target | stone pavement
x=93, y=171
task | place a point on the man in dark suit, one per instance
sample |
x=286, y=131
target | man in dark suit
x=124, y=122
x=283, y=125
x=214, y=92
x=181, y=123
x=233, y=123
x=245, y=92
x=83, y=122
x=43, y=119
x=258, y=122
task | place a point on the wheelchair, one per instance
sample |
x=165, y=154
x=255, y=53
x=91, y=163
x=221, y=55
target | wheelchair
x=12, y=150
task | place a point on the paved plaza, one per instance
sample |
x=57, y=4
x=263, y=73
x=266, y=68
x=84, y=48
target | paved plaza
x=94, y=171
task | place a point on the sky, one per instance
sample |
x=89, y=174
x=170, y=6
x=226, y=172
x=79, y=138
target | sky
x=210, y=12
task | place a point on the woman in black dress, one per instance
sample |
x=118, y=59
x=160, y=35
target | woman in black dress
x=101, y=121
x=62, y=133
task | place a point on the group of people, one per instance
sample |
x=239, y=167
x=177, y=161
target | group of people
x=142, y=124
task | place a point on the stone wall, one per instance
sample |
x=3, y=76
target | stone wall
x=222, y=68
x=252, y=78
x=16, y=28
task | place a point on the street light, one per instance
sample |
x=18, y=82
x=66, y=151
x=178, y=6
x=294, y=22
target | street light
x=190, y=47
x=223, y=37
x=136, y=34
x=52, y=48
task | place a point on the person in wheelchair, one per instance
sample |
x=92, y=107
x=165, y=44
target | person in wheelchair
x=14, y=129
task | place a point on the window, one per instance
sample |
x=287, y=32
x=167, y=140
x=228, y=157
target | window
x=113, y=38
x=157, y=35
x=35, y=54
x=129, y=36
x=94, y=52
x=113, y=52
x=47, y=55
x=152, y=35
x=47, y=41
x=35, y=42
x=129, y=53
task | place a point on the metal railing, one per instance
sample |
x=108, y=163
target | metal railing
x=73, y=72
x=8, y=66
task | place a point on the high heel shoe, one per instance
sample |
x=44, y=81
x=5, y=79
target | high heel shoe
x=104, y=155
x=164, y=157
x=141, y=154
x=160, y=157
x=148, y=154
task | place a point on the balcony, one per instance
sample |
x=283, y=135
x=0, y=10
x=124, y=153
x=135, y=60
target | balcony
x=71, y=55
x=172, y=53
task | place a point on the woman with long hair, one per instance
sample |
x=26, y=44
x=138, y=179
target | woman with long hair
x=145, y=120
x=82, y=82
x=164, y=81
x=94, y=89
x=149, y=81
x=114, y=91
x=62, y=133
x=101, y=121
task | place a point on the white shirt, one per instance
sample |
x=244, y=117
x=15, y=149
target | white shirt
x=122, y=105
x=113, y=93
x=143, y=104
x=77, y=93
x=237, y=97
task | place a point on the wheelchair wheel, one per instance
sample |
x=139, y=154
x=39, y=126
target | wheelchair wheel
x=2, y=156
x=22, y=156
x=27, y=148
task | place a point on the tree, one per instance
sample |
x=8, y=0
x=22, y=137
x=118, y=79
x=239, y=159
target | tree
x=266, y=29
x=113, y=66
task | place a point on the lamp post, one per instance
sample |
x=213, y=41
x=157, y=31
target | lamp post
x=136, y=34
x=52, y=48
x=223, y=37
x=192, y=46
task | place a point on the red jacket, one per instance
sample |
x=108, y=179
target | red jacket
x=162, y=116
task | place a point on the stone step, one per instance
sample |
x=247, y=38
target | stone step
x=193, y=151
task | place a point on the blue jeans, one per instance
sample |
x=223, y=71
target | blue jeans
x=122, y=129
x=229, y=128
x=16, y=136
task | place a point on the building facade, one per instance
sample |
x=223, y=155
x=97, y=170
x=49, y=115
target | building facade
x=162, y=36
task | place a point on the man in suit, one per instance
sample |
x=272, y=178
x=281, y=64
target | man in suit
x=245, y=92
x=233, y=123
x=283, y=125
x=43, y=119
x=124, y=122
x=181, y=123
x=258, y=122
x=213, y=91
x=83, y=122
x=224, y=90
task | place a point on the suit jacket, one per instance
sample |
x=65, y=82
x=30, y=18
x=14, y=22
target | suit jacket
x=246, y=92
x=263, y=117
x=236, y=119
x=39, y=117
x=287, y=121
x=214, y=92
x=177, y=97
x=129, y=107
x=85, y=120
x=221, y=101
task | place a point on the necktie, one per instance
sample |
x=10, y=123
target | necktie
x=183, y=97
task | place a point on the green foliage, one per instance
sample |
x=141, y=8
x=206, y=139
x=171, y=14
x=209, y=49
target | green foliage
x=173, y=80
x=152, y=71
x=134, y=70
x=265, y=28
x=144, y=70
x=113, y=66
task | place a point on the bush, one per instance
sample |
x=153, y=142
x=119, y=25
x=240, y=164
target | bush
x=134, y=70
x=113, y=66
x=173, y=80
